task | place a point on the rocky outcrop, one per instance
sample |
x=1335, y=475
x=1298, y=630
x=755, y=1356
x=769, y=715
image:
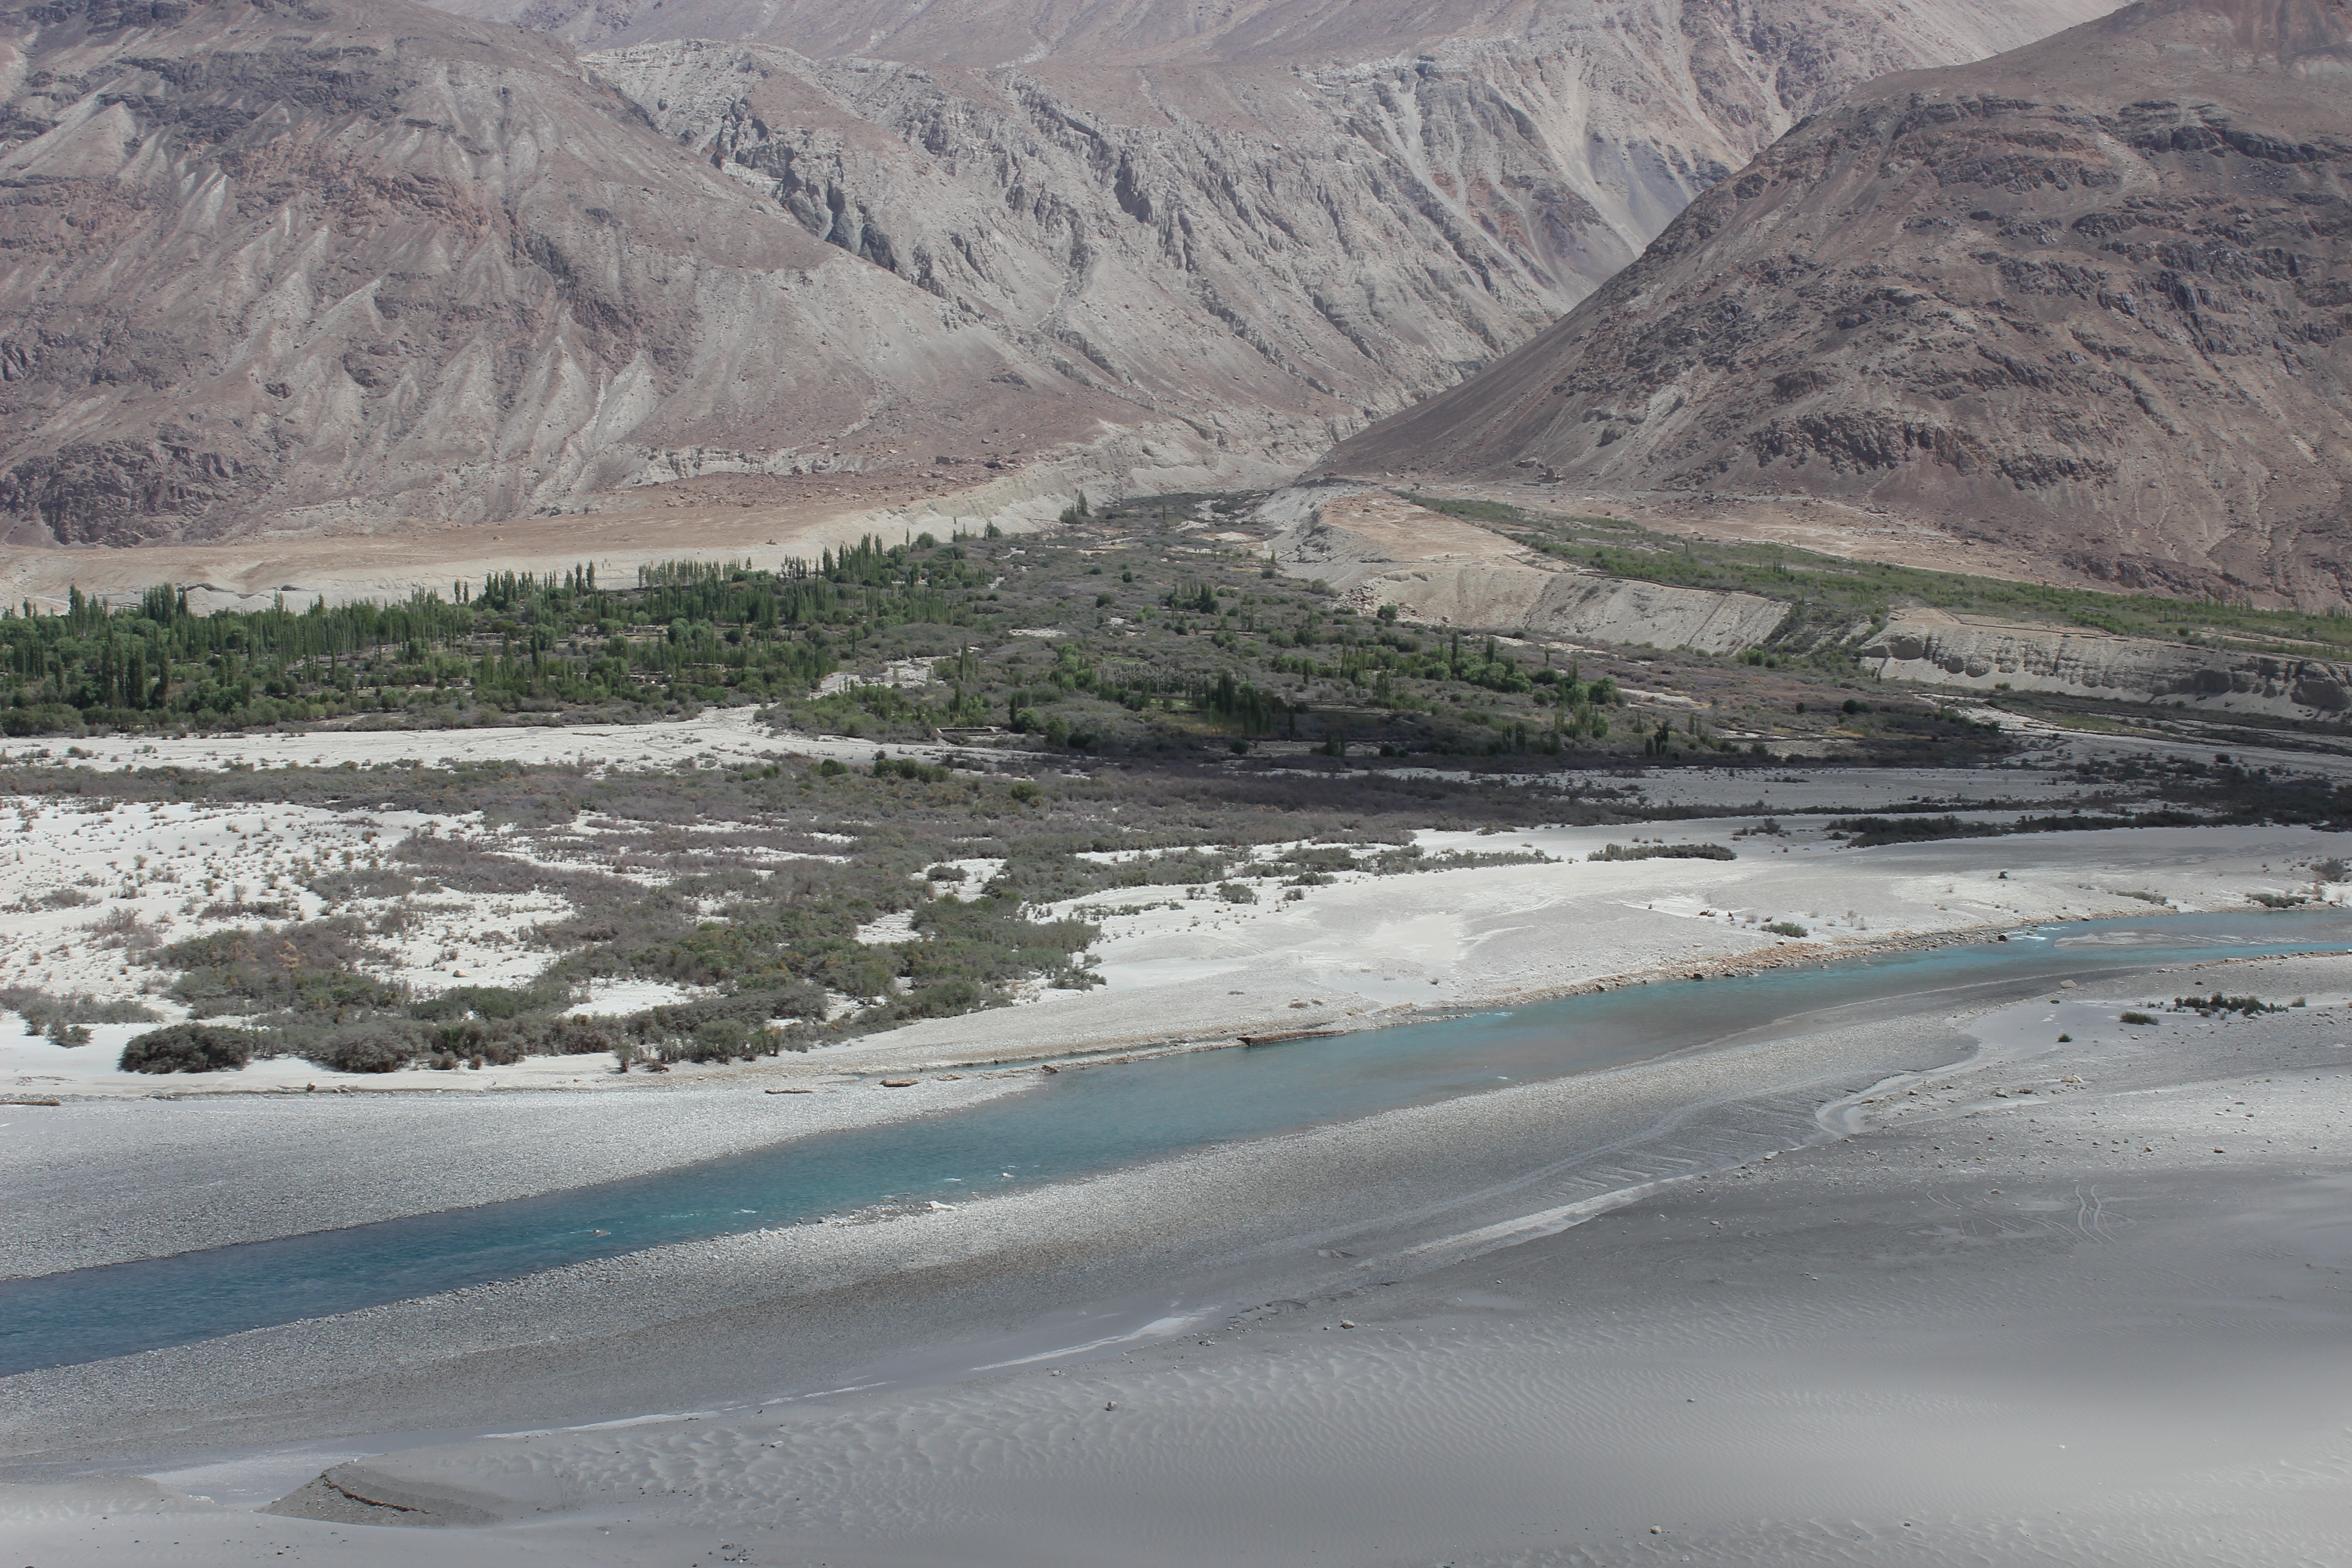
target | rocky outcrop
x=1376, y=549
x=1938, y=649
x=1325, y=210
x=2089, y=301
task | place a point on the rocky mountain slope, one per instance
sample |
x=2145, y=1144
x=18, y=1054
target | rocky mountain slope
x=1341, y=204
x=317, y=266
x=2088, y=299
x=334, y=264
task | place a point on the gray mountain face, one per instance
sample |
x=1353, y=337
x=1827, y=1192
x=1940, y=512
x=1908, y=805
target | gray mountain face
x=2090, y=300
x=1301, y=204
x=318, y=266
x=330, y=266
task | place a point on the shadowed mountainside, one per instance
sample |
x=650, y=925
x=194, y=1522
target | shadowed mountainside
x=2088, y=299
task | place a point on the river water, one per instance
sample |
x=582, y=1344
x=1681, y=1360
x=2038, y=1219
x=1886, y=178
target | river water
x=1079, y=1123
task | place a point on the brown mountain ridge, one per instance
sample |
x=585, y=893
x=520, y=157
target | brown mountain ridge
x=314, y=267
x=2088, y=299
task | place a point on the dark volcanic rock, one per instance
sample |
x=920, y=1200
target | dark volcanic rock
x=2089, y=299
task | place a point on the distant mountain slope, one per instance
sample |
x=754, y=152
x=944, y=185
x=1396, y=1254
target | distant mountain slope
x=327, y=265
x=2090, y=299
x=1290, y=201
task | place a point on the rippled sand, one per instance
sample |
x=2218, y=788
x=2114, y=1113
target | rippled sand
x=2078, y=1304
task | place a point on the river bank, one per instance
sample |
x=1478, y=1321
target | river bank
x=1915, y=1293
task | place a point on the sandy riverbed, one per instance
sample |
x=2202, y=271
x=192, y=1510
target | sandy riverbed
x=1991, y=1297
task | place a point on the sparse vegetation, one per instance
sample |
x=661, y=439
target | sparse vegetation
x=1785, y=928
x=42, y=1012
x=2207, y=1006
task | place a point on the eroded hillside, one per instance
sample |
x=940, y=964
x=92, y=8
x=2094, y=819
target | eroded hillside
x=2087, y=301
x=318, y=268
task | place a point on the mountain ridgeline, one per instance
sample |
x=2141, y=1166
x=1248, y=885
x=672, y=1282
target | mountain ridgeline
x=2089, y=300
x=323, y=267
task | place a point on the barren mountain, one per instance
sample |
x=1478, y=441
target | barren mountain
x=2088, y=299
x=327, y=265
x=317, y=266
x=1339, y=204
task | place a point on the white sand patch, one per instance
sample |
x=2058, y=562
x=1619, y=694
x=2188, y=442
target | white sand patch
x=722, y=734
x=177, y=868
x=889, y=929
x=718, y=737
x=158, y=873
x=978, y=872
x=619, y=998
x=1180, y=963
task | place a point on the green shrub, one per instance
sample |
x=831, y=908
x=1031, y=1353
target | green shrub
x=2137, y=1017
x=1237, y=893
x=2217, y=1003
x=909, y=769
x=190, y=1047
x=367, y=1047
x=48, y=718
x=1786, y=928
x=1664, y=852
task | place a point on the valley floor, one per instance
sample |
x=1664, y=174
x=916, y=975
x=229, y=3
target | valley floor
x=1854, y=1295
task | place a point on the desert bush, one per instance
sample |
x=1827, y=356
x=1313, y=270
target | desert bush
x=909, y=769
x=191, y=1047
x=488, y=1002
x=376, y=1046
x=363, y=883
x=125, y=925
x=40, y=1008
x=2129, y=1017
x=1664, y=852
x=303, y=967
x=2217, y=1003
x=1785, y=928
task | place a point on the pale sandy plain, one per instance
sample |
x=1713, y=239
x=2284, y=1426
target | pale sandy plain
x=1582, y=1308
